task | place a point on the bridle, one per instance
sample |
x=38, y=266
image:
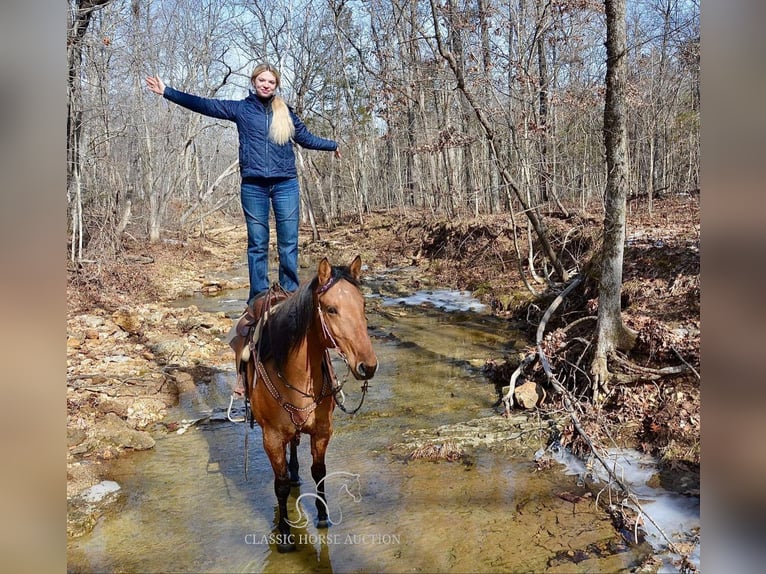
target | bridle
x=337, y=387
x=299, y=415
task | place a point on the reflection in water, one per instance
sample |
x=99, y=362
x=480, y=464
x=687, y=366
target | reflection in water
x=189, y=507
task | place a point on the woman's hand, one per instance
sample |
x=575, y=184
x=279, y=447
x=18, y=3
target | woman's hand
x=337, y=153
x=155, y=84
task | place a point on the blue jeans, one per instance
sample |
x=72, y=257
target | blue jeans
x=284, y=197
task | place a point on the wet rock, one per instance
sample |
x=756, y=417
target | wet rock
x=509, y=434
x=211, y=287
x=112, y=433
x=100, y=492
x=528, y=395
x=81, y=475
x=84, y=509
x=184, y=381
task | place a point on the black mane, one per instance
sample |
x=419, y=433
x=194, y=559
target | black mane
x=288, y=325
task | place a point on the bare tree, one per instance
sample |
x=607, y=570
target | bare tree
x=536, y=222
x=455, y=107
x=80, y=14
x=612, y=333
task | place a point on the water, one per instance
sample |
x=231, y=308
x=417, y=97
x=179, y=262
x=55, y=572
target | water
x=188, y=507
x=676, y=515
x=443, y=299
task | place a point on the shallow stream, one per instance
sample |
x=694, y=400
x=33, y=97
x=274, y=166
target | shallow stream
x=188, y=507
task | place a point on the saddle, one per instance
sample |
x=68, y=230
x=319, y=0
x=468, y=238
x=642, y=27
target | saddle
x=246, y=331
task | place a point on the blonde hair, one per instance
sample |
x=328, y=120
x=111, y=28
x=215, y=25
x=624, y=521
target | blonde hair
x=282, y=128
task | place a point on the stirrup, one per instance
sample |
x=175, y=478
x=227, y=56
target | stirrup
x=228, y=411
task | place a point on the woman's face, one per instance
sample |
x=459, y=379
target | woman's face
x=265, y=84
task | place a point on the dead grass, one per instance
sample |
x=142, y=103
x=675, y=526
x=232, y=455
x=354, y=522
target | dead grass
x=448, y=451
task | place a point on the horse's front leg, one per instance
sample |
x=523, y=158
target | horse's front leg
x=295, y=479
x=318, y=473
x=274, y=445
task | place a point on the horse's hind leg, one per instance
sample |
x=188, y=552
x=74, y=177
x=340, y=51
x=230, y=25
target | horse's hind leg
x=318, y=473
x=295, y=480
x=275, y=449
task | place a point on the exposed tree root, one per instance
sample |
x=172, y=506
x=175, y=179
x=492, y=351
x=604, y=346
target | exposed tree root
x=643, y=374
x=507, y=400
x=572, y=406
x=579, y=321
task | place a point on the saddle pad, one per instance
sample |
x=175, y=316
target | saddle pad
x=245, y=328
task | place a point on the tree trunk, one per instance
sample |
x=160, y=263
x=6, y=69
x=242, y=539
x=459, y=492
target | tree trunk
x=612, y=333
x=203, y=198
x=80, y=15
x=542, y=124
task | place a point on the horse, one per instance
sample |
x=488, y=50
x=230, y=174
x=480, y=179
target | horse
x=288, y=379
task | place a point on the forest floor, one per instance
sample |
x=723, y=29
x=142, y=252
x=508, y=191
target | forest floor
x=130, y=353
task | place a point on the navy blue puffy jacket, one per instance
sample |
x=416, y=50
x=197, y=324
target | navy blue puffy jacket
x=258, y=155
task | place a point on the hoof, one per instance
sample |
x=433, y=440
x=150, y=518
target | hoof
x=323, y=523
x=295, y=481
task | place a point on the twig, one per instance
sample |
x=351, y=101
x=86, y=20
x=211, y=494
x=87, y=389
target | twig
x=693, y=370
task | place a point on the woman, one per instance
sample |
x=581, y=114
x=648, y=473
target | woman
x=267, y=129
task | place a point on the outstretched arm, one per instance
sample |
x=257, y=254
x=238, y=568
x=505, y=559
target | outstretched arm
x=155, y=84
x=222, y=109
x=304, y=138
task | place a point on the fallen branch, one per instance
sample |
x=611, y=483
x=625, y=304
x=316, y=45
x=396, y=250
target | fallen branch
x=548, y=314
x=507, y=400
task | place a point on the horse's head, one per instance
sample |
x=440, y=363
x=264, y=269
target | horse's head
x=341, y=307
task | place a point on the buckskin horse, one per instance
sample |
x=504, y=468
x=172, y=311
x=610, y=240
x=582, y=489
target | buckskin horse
x=288, y=379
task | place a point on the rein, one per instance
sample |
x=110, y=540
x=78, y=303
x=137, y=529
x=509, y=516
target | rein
x=337, y=388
